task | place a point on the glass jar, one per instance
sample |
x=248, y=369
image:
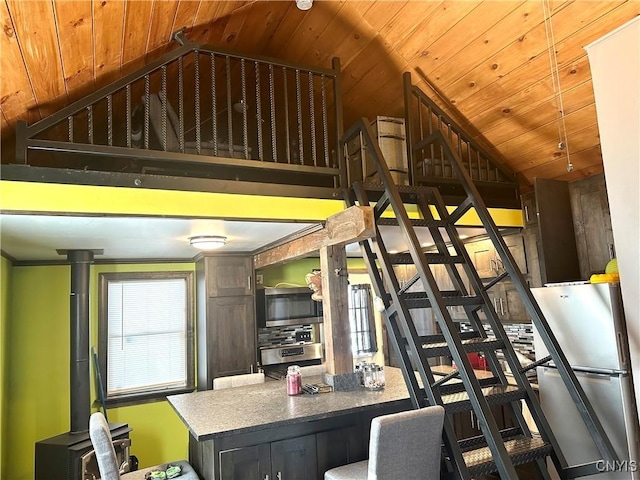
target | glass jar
x=373, y=377
x=380, y=378
x=294, y=380
x=369, y=376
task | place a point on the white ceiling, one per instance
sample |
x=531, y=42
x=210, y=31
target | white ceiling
x=36, y=237
x=28, y=238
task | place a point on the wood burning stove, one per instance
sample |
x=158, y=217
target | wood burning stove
x=61, y=457
x=69, y=456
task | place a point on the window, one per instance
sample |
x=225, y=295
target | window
x=361, y=319
x=146, y=334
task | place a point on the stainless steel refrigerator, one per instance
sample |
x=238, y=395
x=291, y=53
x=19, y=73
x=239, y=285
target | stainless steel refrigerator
x=588, y=321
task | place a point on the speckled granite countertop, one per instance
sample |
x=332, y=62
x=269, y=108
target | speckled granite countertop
x=217, y=413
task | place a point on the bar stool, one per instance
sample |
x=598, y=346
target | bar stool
x=405, y=445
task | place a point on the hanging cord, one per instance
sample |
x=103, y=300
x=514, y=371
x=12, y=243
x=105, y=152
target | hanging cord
x=563, y=143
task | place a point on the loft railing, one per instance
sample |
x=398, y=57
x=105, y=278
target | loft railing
x=427, y=159
x=200, y=108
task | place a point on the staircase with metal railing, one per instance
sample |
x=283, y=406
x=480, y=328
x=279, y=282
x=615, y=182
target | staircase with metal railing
x=497, y=449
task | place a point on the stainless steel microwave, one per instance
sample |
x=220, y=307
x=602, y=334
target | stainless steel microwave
x=276, y=307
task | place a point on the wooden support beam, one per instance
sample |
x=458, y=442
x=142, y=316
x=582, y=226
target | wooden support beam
x=351, y=225
x=335, y=303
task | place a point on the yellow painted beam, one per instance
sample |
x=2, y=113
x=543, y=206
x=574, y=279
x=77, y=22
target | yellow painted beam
x=93, y=200
x=54, y=198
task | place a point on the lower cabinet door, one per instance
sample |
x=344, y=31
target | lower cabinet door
x=294, y=459
x=247, y=463
x=339, y=447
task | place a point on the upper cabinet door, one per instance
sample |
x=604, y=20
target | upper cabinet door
x=229, y=276
x=483, y=256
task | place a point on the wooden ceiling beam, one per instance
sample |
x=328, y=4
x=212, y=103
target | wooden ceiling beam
x=351, y=225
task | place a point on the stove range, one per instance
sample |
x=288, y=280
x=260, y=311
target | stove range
x=290, y=354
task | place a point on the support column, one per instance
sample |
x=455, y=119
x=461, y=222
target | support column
x=335, y=303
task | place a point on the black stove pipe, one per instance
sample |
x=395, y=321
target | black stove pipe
x=80, y=377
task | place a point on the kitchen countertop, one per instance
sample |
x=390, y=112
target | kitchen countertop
x=218, y=413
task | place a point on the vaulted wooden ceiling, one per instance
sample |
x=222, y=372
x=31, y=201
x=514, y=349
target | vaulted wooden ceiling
x=486, y=62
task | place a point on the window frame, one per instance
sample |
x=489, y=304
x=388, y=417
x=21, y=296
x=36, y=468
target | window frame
x=104, y=279
x=371, y=330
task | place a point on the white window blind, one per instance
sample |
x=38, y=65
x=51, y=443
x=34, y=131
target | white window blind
x=361, y=319
x=147, y=335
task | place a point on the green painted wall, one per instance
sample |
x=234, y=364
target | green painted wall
x=293, y=273
x=37, y=377
x=5, y=296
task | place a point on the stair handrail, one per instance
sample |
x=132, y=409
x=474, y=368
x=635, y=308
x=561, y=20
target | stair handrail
x=413, y=92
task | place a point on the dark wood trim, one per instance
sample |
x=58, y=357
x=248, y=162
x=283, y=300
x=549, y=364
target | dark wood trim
x=8, y=257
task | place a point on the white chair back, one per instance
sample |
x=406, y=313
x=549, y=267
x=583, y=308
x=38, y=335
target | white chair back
x=103, y=446
x=237, y=380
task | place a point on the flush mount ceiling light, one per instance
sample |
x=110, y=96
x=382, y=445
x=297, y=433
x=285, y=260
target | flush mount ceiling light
x=304, y=4
x=208, y=242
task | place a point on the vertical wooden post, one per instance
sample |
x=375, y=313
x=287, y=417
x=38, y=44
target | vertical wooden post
x=335, y=303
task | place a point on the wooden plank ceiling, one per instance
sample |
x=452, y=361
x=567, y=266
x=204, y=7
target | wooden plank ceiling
x=486, y=63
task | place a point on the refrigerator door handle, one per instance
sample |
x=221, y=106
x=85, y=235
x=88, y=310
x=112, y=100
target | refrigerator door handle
x=621, y=349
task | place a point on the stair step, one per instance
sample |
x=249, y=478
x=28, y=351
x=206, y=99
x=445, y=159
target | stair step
x=472, y=345
x=456, y=387
x=440, y=338
x=495, y=395
x=473, y=443
x=451, y=298
x=521, y=450
x=416, y=222
x=434, y=258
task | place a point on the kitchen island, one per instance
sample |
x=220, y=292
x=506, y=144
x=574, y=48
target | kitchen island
x=258, y=431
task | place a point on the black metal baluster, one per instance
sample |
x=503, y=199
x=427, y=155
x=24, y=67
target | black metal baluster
x=128, y=108
x=312, y=120
x=110, y=120
x=259, y=113
x=299, y=111
x=272, y=105
x=325, y=127
x=286, y=114
x=229, y=106
x=164, y=107
x=214, y=108
x=245, y=132
x=90, y=124
x=442, y=165
x=181, y=103
x=421, y=129
x=70, y=127
x=432, y=147
x=196, y=99
x=469, y=159
x=146, y=111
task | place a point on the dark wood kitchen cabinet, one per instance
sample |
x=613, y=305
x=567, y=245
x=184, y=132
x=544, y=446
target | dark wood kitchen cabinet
x=228, y=276
x=294, y=459
x=290, y=459
x=226, y=327
x=231, y=342
x=249, y=463
x=550, y=239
